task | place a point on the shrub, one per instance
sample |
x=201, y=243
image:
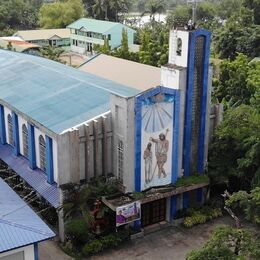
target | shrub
x=200, y=216
x=93, y=247
x=77, y=230
x=111, y=240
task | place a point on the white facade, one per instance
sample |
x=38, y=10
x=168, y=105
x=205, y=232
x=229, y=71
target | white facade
x=23, y=253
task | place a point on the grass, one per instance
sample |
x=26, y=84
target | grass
x=191, y=180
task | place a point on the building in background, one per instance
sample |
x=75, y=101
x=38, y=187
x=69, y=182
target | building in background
x=85, y=33
x=17, y=44
x=126, y=72
x=46, y=37
x=60, y=125
x=20, y=228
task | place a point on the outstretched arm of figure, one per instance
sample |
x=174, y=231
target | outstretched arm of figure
x=153, y=140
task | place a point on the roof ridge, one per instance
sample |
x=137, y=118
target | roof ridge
x=13, y=224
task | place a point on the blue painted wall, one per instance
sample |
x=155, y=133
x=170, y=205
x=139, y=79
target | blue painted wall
x=31, y=146
x=2, y=125
x=16, y=134
x=173, y=209
x=49, y=160
x=189, y=101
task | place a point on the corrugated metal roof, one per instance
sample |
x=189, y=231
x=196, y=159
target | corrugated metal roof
x=43, y=34
x=98, y=26
x=19, y=225
x=55, y=95
x=132, y=74
x=35, y=178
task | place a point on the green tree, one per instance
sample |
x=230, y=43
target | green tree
x=227, y=243
x=61, y=13
x=238, y=80
x=234, y=155
x=124, y=50
x=180, y=16
x=248, y=202
x=255, y=6
x=154, y=7
x=52, y=53
x=239, y=34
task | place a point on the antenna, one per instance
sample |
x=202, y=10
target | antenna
x=194, y=8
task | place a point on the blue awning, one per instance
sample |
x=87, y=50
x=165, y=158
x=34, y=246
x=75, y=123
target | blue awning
x=35, y=178
x=19, y=224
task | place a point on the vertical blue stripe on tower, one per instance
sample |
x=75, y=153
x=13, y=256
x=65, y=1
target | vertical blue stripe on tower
x=31, y=146
x=189, y=98
x=173, y=207
x=2, y=125
x=16, y=134
x=176, y=129
x=203, y=105
x=49, y=160
x=185, y=200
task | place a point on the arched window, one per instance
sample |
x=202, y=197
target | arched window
x=10, y=130
x=120, y=160
x=179, y=47
x=42, y=150
x=25, y=140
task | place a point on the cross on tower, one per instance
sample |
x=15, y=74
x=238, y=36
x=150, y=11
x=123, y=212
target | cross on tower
x=194, y=8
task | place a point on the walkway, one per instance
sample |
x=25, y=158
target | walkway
x=169, y=244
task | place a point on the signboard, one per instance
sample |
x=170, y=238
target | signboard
x=128, y=213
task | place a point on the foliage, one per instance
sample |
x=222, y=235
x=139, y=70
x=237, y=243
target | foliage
x=93, y=247
x=239, y=34
x=77, y=230
x=18, y=14
x=201, y=215
x=191, y=180
x=61, y=13
x=248, y=202
x=51, y=52
x=153, y=7
x=138, y=195
x=180, y=16
x=228, y=243
x=111, y=240
x=238, y=81
x=234, y=154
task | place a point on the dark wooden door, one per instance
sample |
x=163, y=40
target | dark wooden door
x=153, y=212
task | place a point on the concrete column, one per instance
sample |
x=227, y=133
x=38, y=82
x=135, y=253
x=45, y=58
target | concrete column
x=173, y=207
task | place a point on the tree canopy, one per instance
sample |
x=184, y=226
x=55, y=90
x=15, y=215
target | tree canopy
x=61, y=13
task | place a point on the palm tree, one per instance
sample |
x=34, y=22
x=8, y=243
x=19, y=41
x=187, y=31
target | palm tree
x=154, y=7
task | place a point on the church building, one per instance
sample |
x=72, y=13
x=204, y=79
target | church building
x=60, y=125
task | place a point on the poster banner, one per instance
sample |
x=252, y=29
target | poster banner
x=128, y=213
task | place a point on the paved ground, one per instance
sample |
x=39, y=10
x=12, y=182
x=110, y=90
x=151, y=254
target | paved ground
x=73, y=59
x=171, y=243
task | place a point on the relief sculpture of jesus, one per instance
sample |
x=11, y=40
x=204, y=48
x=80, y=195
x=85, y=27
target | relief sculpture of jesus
x=161, y=150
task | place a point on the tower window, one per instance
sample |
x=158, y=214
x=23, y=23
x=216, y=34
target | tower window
x=10, y=130
x=120, y=160
x=42, y=150
x=25, y=140
x=179, y=47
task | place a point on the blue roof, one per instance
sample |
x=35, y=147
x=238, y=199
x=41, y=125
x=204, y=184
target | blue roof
x=98, y=26
x=55, y=95
x=19, y=224
x=35, y=178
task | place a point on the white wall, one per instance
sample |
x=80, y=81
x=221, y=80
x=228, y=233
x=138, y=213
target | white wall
x=37, y=134
x=181, y=60
x=28, y=253
x=21, y=121
x=6, y=112
x=55, y=160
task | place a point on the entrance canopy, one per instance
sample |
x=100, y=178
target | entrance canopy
x=19, y=225
x=35, y=178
